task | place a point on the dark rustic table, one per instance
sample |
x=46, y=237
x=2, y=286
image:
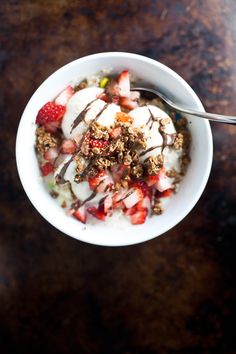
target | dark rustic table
x=174, y=294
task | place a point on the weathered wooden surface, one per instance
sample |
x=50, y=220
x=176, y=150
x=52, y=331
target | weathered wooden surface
x=175, y=294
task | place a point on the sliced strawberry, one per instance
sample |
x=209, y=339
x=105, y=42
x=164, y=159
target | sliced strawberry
x=139, y=217
x=163, y=182
x=50, y=112
x=123, y=82
x=51, y=154
x=98, y=143
x=165, y=194
x=115, y=99
x=151, y=180
x=97, y=213
x=80, y=214
x=115, y=132
x=126, y=102
x=46, y=169
x=134, y=196
x=102, y=182
x=64, y=96
x=52, y=127
x=117, y=199
x=68, y=146
x=123, y=117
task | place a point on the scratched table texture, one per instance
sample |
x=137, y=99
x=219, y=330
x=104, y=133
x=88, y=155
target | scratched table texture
x=174, y=294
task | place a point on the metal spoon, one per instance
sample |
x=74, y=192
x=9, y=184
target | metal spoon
x=153, y=93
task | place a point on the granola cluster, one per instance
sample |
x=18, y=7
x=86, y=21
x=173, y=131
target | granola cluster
x=44, y=140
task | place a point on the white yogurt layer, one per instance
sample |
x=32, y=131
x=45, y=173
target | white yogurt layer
x=76, y=105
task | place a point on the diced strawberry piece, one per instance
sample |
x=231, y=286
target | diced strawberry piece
x=108, y=204
x=52, y=127
x=80, y=214
x=104, y=97
x=126, y=102
x=117, y=199
x=165, y=194
x=98, y=143
x=139, y=217
x=102, y=182
x=163, y=181
x=51, y=154
x=68, y=146
x=151, y=180
x=131, y=211
x=100, y=215
x=50, y=112
x=123, y=117
x=145, y=203
x=123, y=82
x=115, y=132
x=143, y=186
x=134, y=196
x=115, y=99
x=46, y=169
x=64, y=96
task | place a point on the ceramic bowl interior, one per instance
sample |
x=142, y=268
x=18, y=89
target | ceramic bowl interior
x=114, y=234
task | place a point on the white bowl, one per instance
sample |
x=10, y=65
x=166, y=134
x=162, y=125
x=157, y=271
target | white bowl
x=191, y=186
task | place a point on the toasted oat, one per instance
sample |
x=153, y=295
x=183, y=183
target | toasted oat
x=137, y=171
x=103, y=163
x=44, y=140
x=80, y=163
x=154, y=164
x=157, y=208
x=179, y=141
x=98, y=131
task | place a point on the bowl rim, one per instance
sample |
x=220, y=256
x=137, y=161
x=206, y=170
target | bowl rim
x=30, y=193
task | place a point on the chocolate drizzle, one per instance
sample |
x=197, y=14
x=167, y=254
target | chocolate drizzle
x=81, y=116
x=148, y=150
x=60, y=178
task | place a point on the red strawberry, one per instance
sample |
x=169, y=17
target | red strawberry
x=126, y=102
x=139, y=217
x=115, y=99
x=163, y=181
x=97, y=143
x=134, y=196
x=97, y=213
x=151, y=180
x=68, y=146
x=50, y=112
x=145, y=203
x=115, y=132
x=64, y=96
x=102, y=182
x=80, y=214
x=107, y=204
x=52, y=127
x=51, y=154
x=46, y=169
x=165, y=194
x=143, y=186
x=123, y=82
x=104, y=97
x=131, y=210
x=118, y=199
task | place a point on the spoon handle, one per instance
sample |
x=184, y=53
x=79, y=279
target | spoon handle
x=220, y=118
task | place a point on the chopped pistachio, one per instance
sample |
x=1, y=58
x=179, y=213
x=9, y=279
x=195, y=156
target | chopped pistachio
x=104, y=81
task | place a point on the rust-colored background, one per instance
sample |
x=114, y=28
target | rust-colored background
x=174, y=294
